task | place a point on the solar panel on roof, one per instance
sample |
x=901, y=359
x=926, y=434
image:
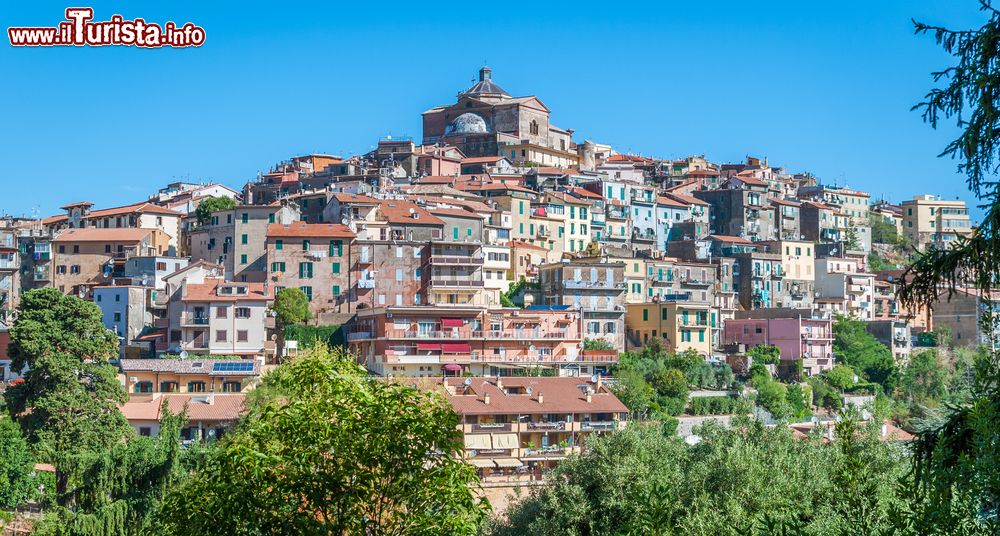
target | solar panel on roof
x=233, y=366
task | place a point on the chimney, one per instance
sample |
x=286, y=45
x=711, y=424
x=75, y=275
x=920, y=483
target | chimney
x=486, y=399
x=540, y=398
x=499, y=383
x=599, y=383
x=590, y=398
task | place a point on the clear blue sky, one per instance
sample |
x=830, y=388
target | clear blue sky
x=824, y=87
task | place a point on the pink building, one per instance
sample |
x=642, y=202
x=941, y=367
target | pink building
x=808, y=338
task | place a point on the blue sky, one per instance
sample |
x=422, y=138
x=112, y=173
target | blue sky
x=824, y=87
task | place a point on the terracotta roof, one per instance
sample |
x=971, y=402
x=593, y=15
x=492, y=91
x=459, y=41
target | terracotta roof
x=817, y=204
x=355, y=198
x=730, y=239
x=475, y=187
x=482, y=160
x=94, y=234
x=400, y=212
x=628, y=158
x=684, y=198
x=750, y=180
x=206, y=292
x=519, y=244
x=194, y=365
x=559, y=395
x=456, y=212
x=200, y=406
x=308, y=230
x=702, y=173
x=436, y=179
x=55, y=219
x=785, y=202
x=664, y=200
x=77, y=204
x=582, y=192
x=132, y=209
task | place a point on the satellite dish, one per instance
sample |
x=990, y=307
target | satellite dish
x=184, y=355
x=594, y=378
x=528, y=390
x=468, y=381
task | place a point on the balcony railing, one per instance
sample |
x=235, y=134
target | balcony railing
x=191, y=319
x=546, y=425
x=194, y=345
x=438, y=258
x=456, y=283
x=598, y=425
x=492, y=427
x=366, y=283
x=608, y=285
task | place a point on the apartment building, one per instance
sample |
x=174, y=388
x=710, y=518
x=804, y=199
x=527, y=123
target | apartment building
x=149, y=271
x=125, y=310
x=759, y=279
x=10, y=273
x=597, y=289
x=218, y=317
x=741, y=209
x=820, y=222
x=797, y=271
x=963, y=313
x=895, y=335
x=209, y=415
x=517, y=428
x=435, y=341
x=854, y=203
x=808, y=339
x=142, y=215
x=318, y=259
x=928, y=220
x=91, y=256
x=193, y=375
x=233, y=239
x=34, y=244
x=788, y=219
x=843, y=279
x=682, y=324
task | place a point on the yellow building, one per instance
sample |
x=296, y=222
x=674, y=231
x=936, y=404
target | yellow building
x=682, y=325
x=931, y=221
x=797, y=258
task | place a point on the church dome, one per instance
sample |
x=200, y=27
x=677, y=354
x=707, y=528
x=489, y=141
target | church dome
x=467, y=123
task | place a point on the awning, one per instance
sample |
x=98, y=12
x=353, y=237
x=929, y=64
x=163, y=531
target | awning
x=482, y=463
x=453, y=367
x=505, y=441
x=452, y=323
x=508, y=462
x=478, y=441
x=428, y=346
x=456, y=348
x=564, y=321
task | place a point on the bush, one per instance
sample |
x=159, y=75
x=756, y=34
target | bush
x=308, y=336
x=712, y=405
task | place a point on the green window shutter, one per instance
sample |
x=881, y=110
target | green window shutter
x=663, y=314
x=270, y=218
x=701, y=336
x=278, y=244
x=454, y=233
x=336, y=248
x=336, y=290
x=645, y=315
x=246, y=217
x=243, y=259
x=305, y=245
x=336, y=267
x=244, y=239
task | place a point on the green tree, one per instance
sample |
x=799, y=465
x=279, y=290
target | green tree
x=671, y=386
x=766, y=354
x=68, y=404
x=324, y=449
x=841, y=377
x=291, y=306
x=861, y=351
x=16, y=466
x=925, y=378
x=213, y=204
x=632, y=389
x=597, y=344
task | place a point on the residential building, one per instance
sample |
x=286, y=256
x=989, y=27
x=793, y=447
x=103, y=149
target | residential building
x=928, y=220
x=125, y=310
x=136, y=216
x=895, y=335
x=808, y=339
x=682, y=324
x=518, y=428
x=317, y=258
x=595, y=288
x=741, y=209
x=192, y=375
x=843, y=279
x=91, y=256
x=209, y=415
x=797, y=272
x=963, y=313
x=232, y=238
x=218, y=317
x=854, y=203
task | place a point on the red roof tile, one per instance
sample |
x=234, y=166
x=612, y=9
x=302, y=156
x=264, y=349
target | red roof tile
x=308, y=230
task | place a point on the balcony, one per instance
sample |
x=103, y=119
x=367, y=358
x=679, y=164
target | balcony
x=41, y=273
x=366, y=283
x=492, y=427
x=701, y=322
x=695, y=282
x=455, y=260
x=778, y=274
x=595, y=285
x=458, y=284
x=596, y=426
x=359, y=335
x=192, y=319
x=544, y=425
x=9, y=265
x=194, y=345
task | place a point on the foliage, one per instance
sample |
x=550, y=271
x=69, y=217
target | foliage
x=851, y=240
x=883, y=231
x=716, y=405
x=671, y=388
x=925, y=377
x=291, y=306
x=747, y=479
x=597, y=344
x=507, y=299
x=16, y=466
x=841, y=377
x=765, y=353
x=308, y=336
x=631, y=388
x=823, y=394
x=213, y=204
x=877, y=264
x=321, y=451
x=861, y=351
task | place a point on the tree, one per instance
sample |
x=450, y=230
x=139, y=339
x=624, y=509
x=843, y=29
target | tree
x=597, y=344
x=851, y=240
x=632, y=390
x=671, y=387
x=16, y=466
x=765, y=353
x=324, y=449
x=925, y=377
x=840, y=376
x=213, y=204
x=864, y=353
x=883, y=231
x=68, y=404
x=291, y=306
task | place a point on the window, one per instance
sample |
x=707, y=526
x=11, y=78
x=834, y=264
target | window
x=278, y=244
x=243, y=258
x=305, y=270
x=231, y=387
x=242, y=312
x=75, y=269
x=336, y=290
x=270, y=218
x=277, y=266
x=336, y=267
x=144, y=387
x=246, y=219
x=76, y=249
x=244, y=239
x=399, y=274
x=168, y=387
x=308, y=291
x=645, y=315
x=242, y=335
x=196, y=387
x=221, y=335
x=221, y=311
x=336, y=248
x=62, y=249
x=663, y=314
x=305, y=245
x=107, y=248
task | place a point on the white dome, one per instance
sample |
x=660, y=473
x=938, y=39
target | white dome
x=467, y=123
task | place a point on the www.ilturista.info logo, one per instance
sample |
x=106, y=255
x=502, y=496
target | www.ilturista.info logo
x=79, y=30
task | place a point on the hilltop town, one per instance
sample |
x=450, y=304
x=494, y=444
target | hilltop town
x=515, y=267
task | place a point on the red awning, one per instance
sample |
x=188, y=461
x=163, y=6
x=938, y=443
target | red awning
x=451, y=322
x=453, y=367
x=456, y=348
x=428, y=346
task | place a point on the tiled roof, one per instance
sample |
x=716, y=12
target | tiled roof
x=730, y=239
x=582, y=192
x=212, y=407
x=94, y=234
x=784, y=202
x=400, y=212
x=355, y=198
x=309, y=230
x=684, y=198
x=194, y=365
x=664, y=200
x=519, y=244
x=559, y=395
x=482, y=160
x=131, y=209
